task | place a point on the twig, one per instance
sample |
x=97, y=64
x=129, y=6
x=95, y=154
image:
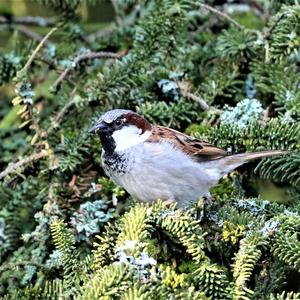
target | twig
x=117, y=13
x=268, y=33
x=36, y=50
x=28, y=20
x=184, y=89
x=128, y=21
x=257, y=5
x=85, y=56
x=101, y=33
x=20, y=81
x=58, y=119
x=11, y=168
x=104, y=32
x=223, y=15
x=63, y=111
x=30, y=33
x=198, y=99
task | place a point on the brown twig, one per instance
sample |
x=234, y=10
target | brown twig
x=30, y=33
x=28, y=20
x=184, y=89
x=257, y=5
x=221, y=14
x=58, y=119
x=36, y=50
x=11, y=168
x=101, y=33
x=20, y=79
x=63, y=111
x=268, y=33
x=86, y=56
x=117, y=12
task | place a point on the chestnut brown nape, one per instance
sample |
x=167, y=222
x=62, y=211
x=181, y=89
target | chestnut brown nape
x=138, y=121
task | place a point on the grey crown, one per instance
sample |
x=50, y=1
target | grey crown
x=112, y=115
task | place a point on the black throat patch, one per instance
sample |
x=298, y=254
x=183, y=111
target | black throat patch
x=115, y=163
x=107, y=141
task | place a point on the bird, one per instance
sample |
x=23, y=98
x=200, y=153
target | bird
x=153, y=162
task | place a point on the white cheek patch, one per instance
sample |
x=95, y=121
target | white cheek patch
x=129, y=136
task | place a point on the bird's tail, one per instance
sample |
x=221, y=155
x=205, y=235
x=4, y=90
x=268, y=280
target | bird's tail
x=231, y=162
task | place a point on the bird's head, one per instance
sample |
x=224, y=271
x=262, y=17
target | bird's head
x=120, y=129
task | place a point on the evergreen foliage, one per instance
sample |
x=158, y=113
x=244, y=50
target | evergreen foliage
x=218, y=71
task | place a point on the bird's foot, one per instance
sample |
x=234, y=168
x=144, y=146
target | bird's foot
x=169, y=202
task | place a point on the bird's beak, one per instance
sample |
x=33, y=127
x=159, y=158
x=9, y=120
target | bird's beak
x=98, y=127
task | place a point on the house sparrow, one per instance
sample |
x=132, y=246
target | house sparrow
x=153, y=162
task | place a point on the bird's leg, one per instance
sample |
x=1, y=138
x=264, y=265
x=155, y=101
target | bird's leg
x=203, y=204
x=208, y=199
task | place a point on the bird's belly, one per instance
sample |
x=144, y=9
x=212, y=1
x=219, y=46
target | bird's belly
x=166, y=175
x=150, y=185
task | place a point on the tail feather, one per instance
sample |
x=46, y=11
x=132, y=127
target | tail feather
x=231, y=162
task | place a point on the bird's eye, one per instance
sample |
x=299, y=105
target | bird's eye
x=119, y=122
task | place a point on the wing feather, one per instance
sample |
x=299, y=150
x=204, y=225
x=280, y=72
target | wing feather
x=197, y=149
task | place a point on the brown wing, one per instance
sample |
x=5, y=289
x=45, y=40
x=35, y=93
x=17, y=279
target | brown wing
x=199, y=150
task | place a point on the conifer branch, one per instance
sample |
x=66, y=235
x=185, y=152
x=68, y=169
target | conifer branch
x=11, y=168
x=269, y=32
x=86, y=56
x=184, y=89
x=236, y=247
x=34, y=53
x=30, y=33
x=28, y=20
x=221, y=14
x=101, y=33
x=59, y=117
